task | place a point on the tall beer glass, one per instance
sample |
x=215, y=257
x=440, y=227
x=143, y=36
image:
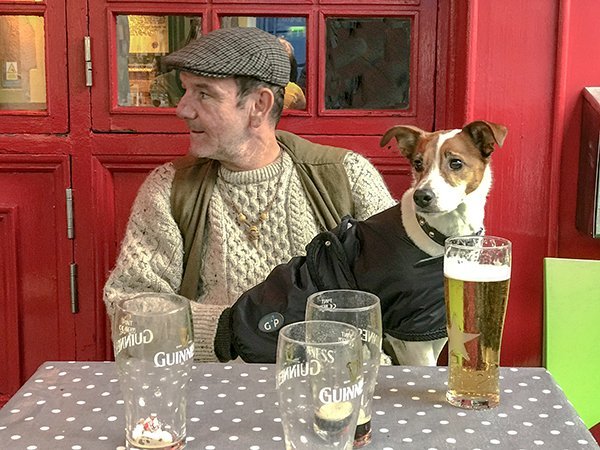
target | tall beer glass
x=361, y=309
x=154, y=348
x=476, y=282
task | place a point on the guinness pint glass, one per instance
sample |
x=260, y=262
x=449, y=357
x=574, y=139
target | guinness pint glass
x=476, y=282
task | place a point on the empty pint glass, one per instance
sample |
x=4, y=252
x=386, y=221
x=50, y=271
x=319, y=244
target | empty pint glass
x=361, y=309
x=154, y=349
x=319, y=383
x=476, y=281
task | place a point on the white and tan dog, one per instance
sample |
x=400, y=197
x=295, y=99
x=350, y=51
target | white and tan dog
x=451, y=180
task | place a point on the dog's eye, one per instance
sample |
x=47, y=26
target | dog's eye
x=455, y=164
x=418, y=165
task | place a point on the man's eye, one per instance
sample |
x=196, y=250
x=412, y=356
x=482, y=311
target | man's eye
x=418, y=165
x=455, y=164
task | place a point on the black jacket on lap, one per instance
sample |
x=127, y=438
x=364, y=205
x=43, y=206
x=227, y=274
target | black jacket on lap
x=374, y=255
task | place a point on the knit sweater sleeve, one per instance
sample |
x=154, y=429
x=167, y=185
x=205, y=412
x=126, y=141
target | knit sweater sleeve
x=151, y=258
x=369, y=191
x=151, y=255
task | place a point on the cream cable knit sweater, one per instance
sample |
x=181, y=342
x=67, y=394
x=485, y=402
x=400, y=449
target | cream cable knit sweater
x=151, y=257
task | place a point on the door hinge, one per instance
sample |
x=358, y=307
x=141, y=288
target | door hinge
x=74, y=291
x=88, y=60
x=70, y=227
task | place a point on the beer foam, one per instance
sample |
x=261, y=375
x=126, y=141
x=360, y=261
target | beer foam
x=470, y=271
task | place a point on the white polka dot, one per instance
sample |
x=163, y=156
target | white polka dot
x=80, y=402
x=444, y=422
x=40, y=402
x=210, y=447
x=508, y=391
x=67, y=394
x=51, y=388
x=96, y=409
x=112, y=418
x=543, y=416
x=518, y=407
x=236, y=420
x=31, y=447
x=410, y=383
x=390, y=377
x=239, y=403
x=469, y=430
x=194, y=419
x=406, y=370
x=437, y=405
x=451, y=440
x=416, y=398
x=15, y=437
x=537, y=442
x=461, y=414
x=421, y=413
x=70, y=419
x=214, y=428
x=494, y=441
x=503, y=415
x=582, y=442
x=86, y=428
x=233, y=438
x=257, y=429
x=55, y=411
x=528, y=424
x=256, y=447
x=568, y=422
x=485, y=422
x=218, y=411
x=557, y=406
x=532, y=399
x=15, y=411
x=397, y=405
x=511, y=432
x=402, y=422
x=276, y=438
x=44, y=428
x=380, y=413
x=522, y=384
x=222, y=395
x=546, y=391
x=554, y=432
x=199, y=403
x=406, y=439
x=59, y=437
x=426, y=430
x=90, y=386
x=384, y=430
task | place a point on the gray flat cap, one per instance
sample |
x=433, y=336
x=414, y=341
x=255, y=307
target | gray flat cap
x=235, y=51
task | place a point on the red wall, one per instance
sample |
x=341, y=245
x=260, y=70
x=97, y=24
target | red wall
x=525, y=67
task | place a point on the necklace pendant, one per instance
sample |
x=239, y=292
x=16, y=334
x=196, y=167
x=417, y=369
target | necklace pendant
x=253, y=233
x=242, y=218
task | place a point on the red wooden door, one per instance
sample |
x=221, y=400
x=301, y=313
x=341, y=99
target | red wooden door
x=36, y=253
x=362, y=69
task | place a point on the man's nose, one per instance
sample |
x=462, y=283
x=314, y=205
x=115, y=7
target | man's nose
x=184, y=110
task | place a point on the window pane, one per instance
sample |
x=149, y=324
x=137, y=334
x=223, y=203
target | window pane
x=142, y=44
x=367, y=63
x=292, y=33
x=22, y=63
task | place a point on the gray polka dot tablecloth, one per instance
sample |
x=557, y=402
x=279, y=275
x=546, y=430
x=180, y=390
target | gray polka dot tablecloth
x=75, y=405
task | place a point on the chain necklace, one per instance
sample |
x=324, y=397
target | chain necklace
x=252, y=226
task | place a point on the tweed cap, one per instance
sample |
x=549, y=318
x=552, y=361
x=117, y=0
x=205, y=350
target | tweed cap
x=228, y=52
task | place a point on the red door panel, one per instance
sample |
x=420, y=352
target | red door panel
x=35, y=258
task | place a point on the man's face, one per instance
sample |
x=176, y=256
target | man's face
x=219, y=128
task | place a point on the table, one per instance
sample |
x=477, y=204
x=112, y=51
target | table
x=75, y=405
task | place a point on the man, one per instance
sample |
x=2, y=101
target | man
x=213, y=224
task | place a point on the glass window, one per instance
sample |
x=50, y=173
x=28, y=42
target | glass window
x=142, y=43
x=367, y=63
x=22, y=63
x=291, y=31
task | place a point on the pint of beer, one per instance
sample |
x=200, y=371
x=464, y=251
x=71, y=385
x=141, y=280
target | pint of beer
x=476, y=282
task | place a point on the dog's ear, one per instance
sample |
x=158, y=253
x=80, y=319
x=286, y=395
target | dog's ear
x=485, y=135
x=406, y=136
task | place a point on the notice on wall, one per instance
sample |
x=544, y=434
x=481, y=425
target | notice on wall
x=148, y=34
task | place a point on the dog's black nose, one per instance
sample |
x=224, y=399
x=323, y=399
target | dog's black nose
x=423, y=197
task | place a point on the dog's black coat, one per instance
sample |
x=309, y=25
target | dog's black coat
x=375, y=255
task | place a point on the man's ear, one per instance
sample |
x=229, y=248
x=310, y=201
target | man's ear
x=262, y=104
